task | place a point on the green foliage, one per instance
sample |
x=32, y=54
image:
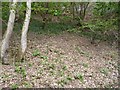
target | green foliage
x=14, y=86
x=105, y=8
x=69, y=78
x=5, y=10
x=40, y=7
x=80, y=77
x=73, y=30
x=79, y=50
x=106, y=16
x=36, y=53
x=6, y=6
x=82, y=52
x=104, y=71
x=61, y=73
x=50, y=29
x=104, y=19
x=30, y=64
x=52, y=73
x=103, y=25
x=52, y=66
x=64, y=67
x=27, y=84
x=65, y=80
x=4, y=76
x=62, y=82
x=21, y=9
x=44, y=57
x=85, y=65
x=20, y=70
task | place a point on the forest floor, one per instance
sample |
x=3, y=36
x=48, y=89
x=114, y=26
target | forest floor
x=64, y=60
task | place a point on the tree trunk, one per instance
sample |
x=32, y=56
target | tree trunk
x=0, y=27
x=25, y=30
x=5, y=42
x=45, y=15
x=85, y=8
x=73, y=10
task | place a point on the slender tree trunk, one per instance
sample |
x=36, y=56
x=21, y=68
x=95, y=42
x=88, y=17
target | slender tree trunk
x=85, y=8
x=81, y=11
x=25, y=30
x=0, y=27
x=45, y=16
x=76, y=12
x=5, y=42
x=73, y=10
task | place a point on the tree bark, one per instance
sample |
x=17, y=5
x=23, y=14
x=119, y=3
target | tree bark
x=25, y=30
x=73, y=10
x=5, y=41
x=85, y=8
x=45, y=15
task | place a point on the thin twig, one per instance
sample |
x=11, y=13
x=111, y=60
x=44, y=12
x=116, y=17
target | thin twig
x=3, y=21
